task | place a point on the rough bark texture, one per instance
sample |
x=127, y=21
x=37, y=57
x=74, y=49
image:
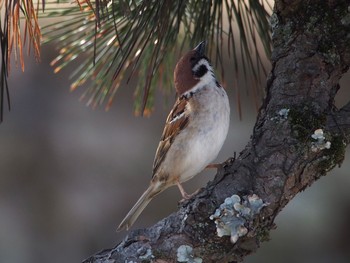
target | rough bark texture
x=311, y=51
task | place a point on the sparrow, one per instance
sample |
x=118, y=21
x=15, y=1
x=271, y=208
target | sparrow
x=194, y=132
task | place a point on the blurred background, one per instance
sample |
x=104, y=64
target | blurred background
x=69, y=174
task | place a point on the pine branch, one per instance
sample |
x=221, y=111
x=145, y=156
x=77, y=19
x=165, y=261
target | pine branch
x=117, y=40
x=13, y=41
x=298, y=137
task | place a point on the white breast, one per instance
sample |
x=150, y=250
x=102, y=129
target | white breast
x=200, y=142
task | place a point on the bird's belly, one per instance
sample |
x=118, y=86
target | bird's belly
x=194, y=149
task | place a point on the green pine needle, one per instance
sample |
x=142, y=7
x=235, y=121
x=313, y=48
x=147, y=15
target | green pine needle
x=116, y=40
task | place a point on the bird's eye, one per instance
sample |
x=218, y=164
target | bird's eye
x=192, y=59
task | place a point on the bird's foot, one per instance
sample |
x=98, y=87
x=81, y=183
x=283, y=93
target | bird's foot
x=228, y=162
x=187, y=196
x=214, y=165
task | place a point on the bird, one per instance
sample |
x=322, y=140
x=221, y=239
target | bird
x=194, y=132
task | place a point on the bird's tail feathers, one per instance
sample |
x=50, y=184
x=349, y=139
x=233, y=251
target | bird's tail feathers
x=140, y=205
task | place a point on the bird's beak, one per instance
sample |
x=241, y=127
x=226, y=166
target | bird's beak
x=200, y=48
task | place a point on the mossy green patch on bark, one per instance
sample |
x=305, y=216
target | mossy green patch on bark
x=304, y=121
x=334, y=155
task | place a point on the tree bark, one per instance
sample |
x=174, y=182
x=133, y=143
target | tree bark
x=298, y=137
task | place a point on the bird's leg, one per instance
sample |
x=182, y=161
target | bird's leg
x=185, y=196
x=220, y=165
x=214, y=165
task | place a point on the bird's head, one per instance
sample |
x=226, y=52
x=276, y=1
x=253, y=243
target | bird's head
x=193, y=69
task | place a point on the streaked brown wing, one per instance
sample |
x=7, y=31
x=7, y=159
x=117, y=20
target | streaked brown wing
x=175, y=123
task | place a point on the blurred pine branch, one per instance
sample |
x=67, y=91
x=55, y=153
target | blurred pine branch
x=120, y=40
x=13, y=40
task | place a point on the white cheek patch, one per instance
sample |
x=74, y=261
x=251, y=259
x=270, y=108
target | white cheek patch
x=208, y=76
x=201, y=62
x=208, y=79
